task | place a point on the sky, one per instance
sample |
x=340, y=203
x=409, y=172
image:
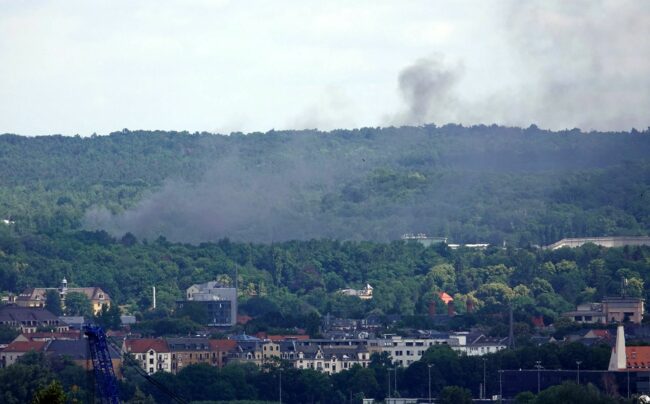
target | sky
x=83, y=67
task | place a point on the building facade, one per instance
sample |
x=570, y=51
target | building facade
x=35, y=297
x=188, y=351
x=219, y=303
x=153, y=355
x=30, y=319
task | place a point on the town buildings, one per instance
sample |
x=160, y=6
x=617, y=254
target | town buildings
x=153, y=355
x=35, y=297
x=610, y=310
x=363, y=294
x=30, y=319
x=219, y=303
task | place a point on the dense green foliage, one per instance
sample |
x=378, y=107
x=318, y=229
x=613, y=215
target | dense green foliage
x=282, y=283
x=471, y=184
x=40, y=379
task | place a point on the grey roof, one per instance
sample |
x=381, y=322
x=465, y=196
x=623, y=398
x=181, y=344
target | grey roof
x=73, y=320
x=127, y=320
x=188, y=344
x=75, y=349
x=20, y=314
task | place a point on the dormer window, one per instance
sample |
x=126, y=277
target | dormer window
x=101, y=296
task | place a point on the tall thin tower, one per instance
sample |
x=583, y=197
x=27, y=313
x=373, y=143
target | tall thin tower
x=511, y=333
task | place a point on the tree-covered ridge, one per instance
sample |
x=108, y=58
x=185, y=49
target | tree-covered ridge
x=474, y=184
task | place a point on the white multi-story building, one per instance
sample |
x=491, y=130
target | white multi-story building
x=153, y=355
x=404, y=351
x=331, y=359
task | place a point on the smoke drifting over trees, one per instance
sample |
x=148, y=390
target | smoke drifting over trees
x=471, y=184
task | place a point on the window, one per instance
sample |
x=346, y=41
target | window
x=151, y=361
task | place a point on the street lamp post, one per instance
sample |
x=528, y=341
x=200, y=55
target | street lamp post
x=538, y=365
x=500, y=386
x=389, y=370
x=484, y=387
x=395, y=386
x=429, y=366
x=578, y=363
x=280, y=374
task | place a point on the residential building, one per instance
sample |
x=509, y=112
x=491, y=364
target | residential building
x=78, y=352
x=405, y=351
x=49, y=336
x=220, y=303
x=250, y=351
x=331, y=359
x=10, y=354
x=363, y=294
x=29, y=319
x=611, y=310
x=621, y=309
x=188, y=351
x=608, y=242
x=153, y=355
x=35, y=297
x=628, y=358
x=221, y=350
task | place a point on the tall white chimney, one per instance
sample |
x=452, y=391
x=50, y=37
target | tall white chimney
x=618, y=360
x=621, y=357
x=154, y=298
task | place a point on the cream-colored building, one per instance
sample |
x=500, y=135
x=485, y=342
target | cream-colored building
x=35, y=297
x=331, y=359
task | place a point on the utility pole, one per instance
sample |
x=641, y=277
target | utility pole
x=280, y=373
x=395, y=389
x=578, y=363
x=484, y=387
x=429, y=366
x=538, y=365
x=500, y=386
x=389, y=370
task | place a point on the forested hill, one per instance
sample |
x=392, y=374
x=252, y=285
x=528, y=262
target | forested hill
x=476, y=184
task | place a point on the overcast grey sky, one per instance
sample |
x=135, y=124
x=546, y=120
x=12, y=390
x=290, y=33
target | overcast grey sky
x=78, y=67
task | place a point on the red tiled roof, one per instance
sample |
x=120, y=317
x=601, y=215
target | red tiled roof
x=222, y=344
x=601, y=333
x=638, y=356
x=25, y=346
x=538, y=321
x=145, y=344
x=243, y=319
x=445, y=297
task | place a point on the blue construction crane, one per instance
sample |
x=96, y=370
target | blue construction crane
x=102, y=364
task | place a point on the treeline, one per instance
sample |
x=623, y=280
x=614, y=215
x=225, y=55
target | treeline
x=287, y=284
x=472, y=184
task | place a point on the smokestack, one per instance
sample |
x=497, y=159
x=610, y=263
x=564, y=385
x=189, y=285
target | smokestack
x=154, y=298
x=432, y=308
x=451, y=309
x=470, y=305
x=618, y=360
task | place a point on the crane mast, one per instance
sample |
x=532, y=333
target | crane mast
x=102, y=364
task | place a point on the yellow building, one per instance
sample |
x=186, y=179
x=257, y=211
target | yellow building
x=35, y=297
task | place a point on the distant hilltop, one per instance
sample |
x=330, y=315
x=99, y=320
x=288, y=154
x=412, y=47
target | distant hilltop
x=601, y=241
